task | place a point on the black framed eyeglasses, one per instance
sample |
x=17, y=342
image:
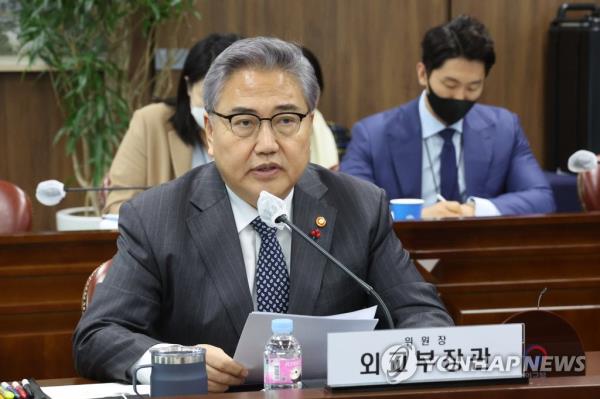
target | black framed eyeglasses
x=245, y=125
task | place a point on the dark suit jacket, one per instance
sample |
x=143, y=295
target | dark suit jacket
x=386, y=149
x=179, y=276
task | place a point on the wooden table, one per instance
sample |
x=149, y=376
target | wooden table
x=431, y=239
x=489, y=269
x=587, y=386
x=41, y=281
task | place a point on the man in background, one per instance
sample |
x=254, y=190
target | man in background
x=462, y=158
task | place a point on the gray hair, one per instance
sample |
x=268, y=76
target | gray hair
x=263, y=53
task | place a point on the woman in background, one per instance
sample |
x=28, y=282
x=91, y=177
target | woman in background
x=166, y=139
x=323, y=149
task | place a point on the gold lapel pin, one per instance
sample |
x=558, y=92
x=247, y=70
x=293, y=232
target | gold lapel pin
x=321, y=221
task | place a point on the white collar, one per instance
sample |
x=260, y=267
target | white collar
x=430, y=125
x=244, y=213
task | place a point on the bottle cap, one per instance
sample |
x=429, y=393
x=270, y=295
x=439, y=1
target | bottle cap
x=282, y=326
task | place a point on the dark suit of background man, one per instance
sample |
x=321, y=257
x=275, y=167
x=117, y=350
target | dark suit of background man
x=475, y=156
x=188, y=267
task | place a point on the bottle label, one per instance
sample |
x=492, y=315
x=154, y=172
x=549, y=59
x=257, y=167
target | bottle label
x=283, y=371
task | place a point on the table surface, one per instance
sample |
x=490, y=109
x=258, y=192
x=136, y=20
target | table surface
x=434, y=238
x=551, y=387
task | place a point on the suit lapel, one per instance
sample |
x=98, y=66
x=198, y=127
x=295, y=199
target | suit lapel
x=181, y=153
x=477, y=150
x=405, y=141
x=308, y=265
x=213, y=229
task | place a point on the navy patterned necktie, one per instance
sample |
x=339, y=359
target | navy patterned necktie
x=272, y=279
x=448, y=169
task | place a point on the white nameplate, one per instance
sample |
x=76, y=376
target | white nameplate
x=421, y=355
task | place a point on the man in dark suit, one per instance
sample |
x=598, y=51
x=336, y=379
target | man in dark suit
x=190, y=264
x=443, y=145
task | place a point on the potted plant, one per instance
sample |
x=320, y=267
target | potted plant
x=88, y=46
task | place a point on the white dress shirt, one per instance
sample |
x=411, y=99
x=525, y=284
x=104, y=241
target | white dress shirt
x=243, y=214
x=431, y=161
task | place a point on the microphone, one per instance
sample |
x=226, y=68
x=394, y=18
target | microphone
x=271, y=210
x=51, y=192
x=582, y=161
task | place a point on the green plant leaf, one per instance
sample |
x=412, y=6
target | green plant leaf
x=87, y=45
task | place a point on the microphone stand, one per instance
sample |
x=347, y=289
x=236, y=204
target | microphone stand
x=363, y=284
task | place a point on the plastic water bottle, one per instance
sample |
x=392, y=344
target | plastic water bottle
x=283, y=357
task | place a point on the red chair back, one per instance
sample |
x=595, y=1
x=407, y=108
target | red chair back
x=95, y=278
x=588, y=185
x=15, y=209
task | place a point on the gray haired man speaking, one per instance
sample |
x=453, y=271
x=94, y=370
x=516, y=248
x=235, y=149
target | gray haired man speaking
x=191, y=261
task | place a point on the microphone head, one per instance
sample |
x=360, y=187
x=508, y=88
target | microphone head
x=270, y=207
x=582, y=161
x=50, y=192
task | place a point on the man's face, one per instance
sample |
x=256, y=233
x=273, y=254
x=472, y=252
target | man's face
x=265, y=160
x=457, y=78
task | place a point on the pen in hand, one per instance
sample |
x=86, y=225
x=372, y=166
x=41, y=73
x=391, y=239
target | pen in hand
x=440, y=198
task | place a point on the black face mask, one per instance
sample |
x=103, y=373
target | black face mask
x=448, y=109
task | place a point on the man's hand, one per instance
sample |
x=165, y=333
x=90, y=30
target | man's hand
x=222, y=370
x=468, y=209
x=448, y=209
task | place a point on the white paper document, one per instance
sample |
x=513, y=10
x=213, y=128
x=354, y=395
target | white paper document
x=310, y=331
x=92, y=391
